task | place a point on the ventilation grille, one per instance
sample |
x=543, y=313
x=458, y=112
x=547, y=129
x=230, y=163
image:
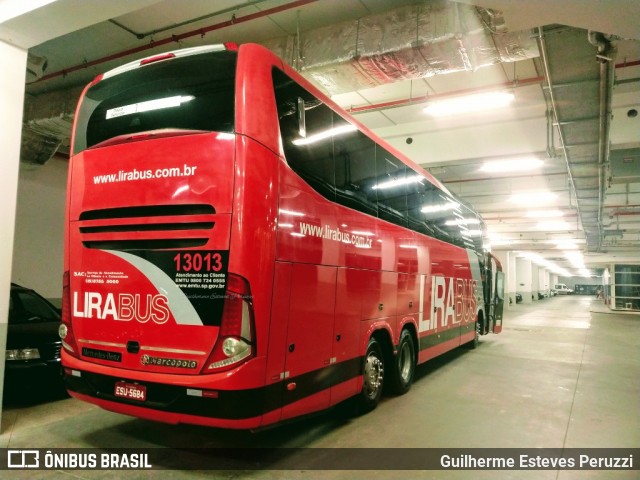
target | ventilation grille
x=153, y=227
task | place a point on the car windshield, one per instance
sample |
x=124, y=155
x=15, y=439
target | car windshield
x=29, y=307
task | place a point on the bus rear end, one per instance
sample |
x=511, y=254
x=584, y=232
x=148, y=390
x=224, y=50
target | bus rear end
x=155, y=322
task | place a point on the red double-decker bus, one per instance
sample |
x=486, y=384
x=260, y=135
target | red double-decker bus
x=240, y=251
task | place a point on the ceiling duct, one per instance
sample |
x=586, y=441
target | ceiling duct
x=37, y=148
x=410, y=42
x=624, y=166
x=36, y=67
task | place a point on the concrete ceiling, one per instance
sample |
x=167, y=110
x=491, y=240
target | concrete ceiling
x=582, y=127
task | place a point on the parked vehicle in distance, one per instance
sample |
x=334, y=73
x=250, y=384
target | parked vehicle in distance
x=518, y=298
x=562, y=289
x=32, y=358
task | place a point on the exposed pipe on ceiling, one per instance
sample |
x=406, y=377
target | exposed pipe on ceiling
x=545, y=63
x=425, y=98
x=403, y=102
x=605, y=55
x=141, y=35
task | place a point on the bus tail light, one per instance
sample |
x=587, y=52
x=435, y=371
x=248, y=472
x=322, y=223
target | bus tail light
x=66, y=330
x=235, y=339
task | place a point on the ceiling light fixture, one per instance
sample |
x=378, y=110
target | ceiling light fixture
x=332, y=132
x=462, y=221
x=469, y=103
x=533, y=198
x=566, y=245
x=543, y=262
x=512, y=165
x=553, y=225
x=544, y=213
x=398, y=182
x=441, y=207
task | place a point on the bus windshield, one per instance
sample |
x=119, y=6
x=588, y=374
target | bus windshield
x=189, y=93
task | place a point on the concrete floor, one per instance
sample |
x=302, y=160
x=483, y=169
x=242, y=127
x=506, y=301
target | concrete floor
x=564, y=373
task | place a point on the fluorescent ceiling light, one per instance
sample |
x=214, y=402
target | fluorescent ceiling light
x=566, y=244
x=332, y=132
x=469, y=103
x=553, y=225
x=533, y=198
x=498, y=240
x=158, y=104
x=442, y=207
x=575, y=259
x=501, y=243
x=544, y=213
x=512, y=165
x=543, y=262
x=397, y=182
x=462, y=221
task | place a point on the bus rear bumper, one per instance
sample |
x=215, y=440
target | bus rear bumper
x=191, y=401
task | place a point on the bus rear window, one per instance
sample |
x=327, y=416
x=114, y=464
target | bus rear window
x=192, y=93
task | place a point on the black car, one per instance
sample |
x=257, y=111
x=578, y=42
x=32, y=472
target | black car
x=518, y=298
x=33, y=345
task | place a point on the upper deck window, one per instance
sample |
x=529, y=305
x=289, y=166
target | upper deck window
x=193, y=93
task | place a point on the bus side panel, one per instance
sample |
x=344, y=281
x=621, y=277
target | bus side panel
x=277, y=347
x=253, y=230
x=254, y=93
x=346, y=334
x=307, y=225
x=408, y=298
x=309, y=339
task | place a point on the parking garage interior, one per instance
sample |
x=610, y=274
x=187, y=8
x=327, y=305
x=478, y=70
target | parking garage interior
x=555, y=176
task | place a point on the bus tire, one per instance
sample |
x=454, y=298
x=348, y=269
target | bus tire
x=372, y=378
x=404, y=364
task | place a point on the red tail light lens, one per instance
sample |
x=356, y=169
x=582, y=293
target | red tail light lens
x=66, y=331
x=235, y=339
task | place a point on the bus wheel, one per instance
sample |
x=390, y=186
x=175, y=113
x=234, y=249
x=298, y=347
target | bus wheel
x=373, y=375
x=401, y=376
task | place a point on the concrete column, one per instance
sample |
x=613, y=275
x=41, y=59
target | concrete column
x=13, y=64
x=535, y=281
x=545, y=286
x=523, y=278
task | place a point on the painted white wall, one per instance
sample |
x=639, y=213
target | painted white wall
x=39, y=227
x=23, y=25
x=13, y=64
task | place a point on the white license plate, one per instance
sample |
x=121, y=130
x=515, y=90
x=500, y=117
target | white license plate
x=130, y=391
